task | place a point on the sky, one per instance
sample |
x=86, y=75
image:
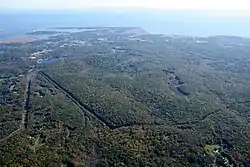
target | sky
x=145, y=4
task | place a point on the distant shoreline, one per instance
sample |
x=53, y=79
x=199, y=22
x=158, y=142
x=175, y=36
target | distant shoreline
x=17, y=39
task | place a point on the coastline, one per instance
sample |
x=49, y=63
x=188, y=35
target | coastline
x=17, y=39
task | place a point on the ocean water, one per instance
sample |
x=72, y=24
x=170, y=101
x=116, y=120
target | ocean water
x=169, y=23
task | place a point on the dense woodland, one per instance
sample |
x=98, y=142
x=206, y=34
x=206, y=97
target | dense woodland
x=115, y=96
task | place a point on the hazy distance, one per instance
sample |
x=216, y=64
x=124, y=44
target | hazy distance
x=192, y=18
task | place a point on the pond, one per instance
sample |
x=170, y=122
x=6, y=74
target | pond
x=174, y=86
x=47, y=60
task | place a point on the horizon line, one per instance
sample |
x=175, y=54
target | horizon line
x=122, y=8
